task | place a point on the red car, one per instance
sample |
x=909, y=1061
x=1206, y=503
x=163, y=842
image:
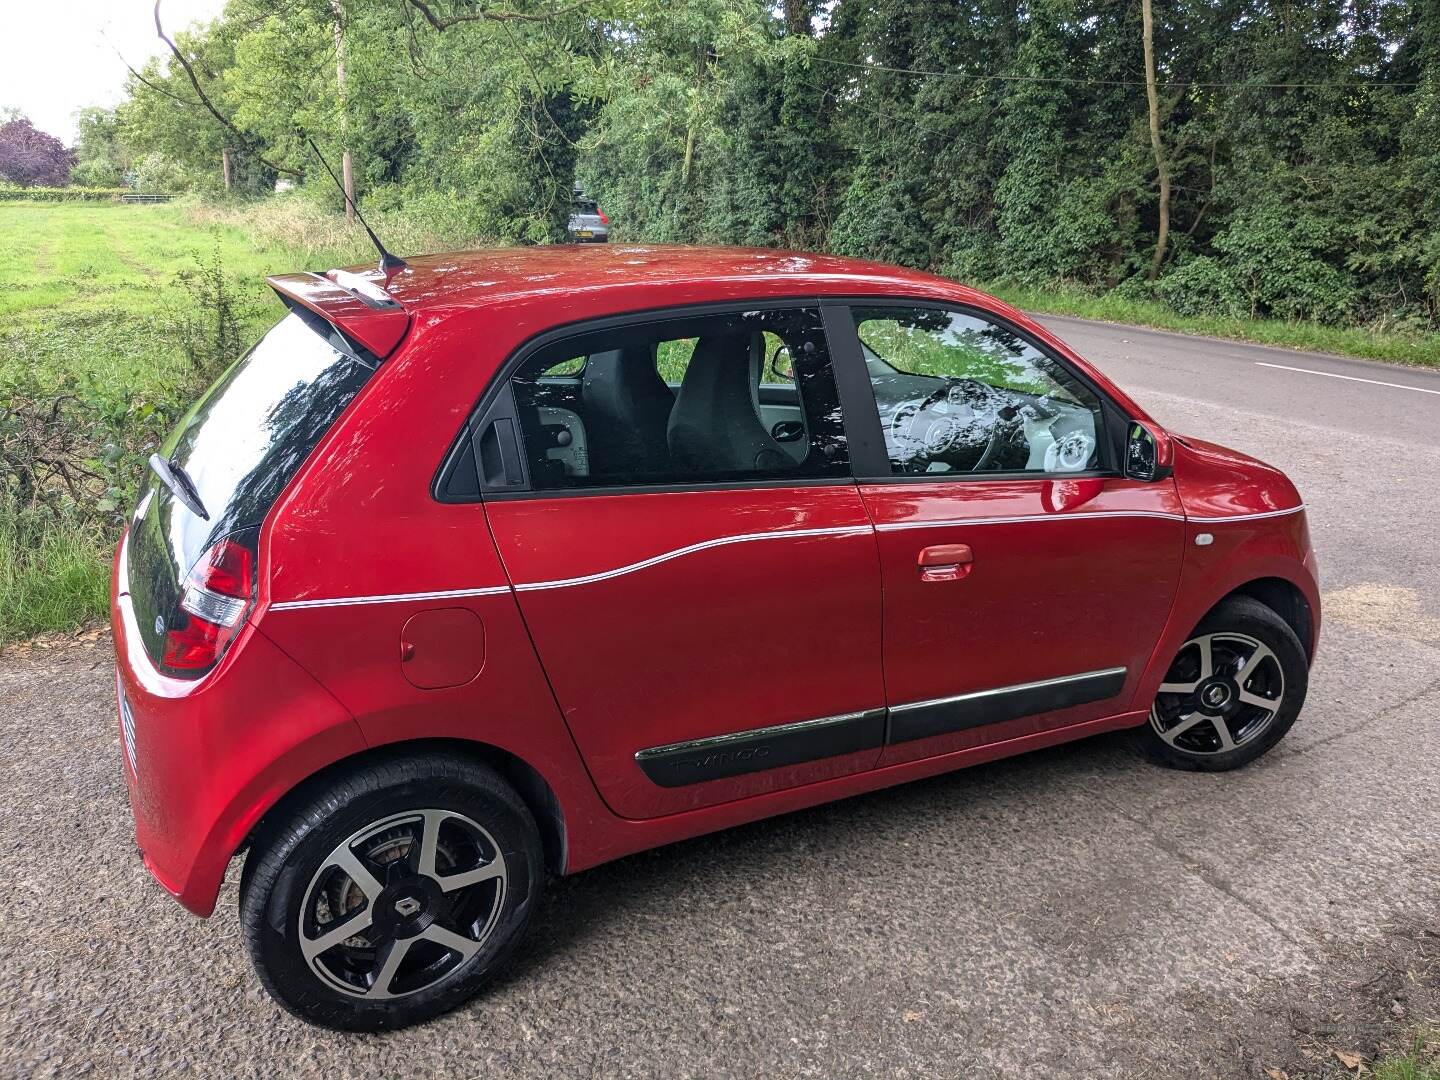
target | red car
x=515, y=562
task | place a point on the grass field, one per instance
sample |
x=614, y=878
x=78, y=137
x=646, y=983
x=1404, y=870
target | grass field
x=107, y=277
x=95, y=296
x=111, y=302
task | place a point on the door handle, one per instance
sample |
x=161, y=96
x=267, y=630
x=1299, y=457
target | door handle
x=945, y=562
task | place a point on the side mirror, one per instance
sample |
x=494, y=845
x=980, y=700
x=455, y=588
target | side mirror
x=1146, y=458
x=780, y=366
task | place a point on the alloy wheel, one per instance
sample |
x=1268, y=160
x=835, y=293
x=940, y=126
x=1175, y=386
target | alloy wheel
x=402, y=904
x=1222, y=692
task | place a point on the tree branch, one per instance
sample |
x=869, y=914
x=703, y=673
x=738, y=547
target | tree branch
x=146, y=82
x=444, y=22
x=245, y=141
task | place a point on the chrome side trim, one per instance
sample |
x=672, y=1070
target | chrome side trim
x=998, y=691
x=1249, y=517
x=779, y=534
x=690, y=549
x=387, y=598
x=719, y=742
x=897, y=526
x=561, y=583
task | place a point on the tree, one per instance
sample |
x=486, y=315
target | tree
x=101, y=159
x=1275, y=157
x=1162, y=170
x=30, y=157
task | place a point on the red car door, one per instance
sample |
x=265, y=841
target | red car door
x=1025, y=581
x=703, y=591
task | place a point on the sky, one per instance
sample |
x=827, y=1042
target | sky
x=57, y=56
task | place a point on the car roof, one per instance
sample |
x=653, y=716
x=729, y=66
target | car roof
x=589, y=280
x=472, y=278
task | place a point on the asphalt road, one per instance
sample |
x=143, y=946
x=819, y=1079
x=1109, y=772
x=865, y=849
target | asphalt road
x=1072, y=913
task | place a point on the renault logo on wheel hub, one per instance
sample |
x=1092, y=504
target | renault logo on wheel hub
x=1215, y=695
x=407, y=906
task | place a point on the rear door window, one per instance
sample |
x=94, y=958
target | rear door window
x=683, y=401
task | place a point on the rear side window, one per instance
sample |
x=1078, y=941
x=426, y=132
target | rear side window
x=245, y=439
x=240, y=444
x=682, y=401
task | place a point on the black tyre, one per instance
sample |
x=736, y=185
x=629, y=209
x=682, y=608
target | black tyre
x=1231, y=693
x=392, y=895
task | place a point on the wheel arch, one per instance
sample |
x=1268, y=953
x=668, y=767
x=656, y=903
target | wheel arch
x=1283, y=584
x=532, y=787
x=1283, y=597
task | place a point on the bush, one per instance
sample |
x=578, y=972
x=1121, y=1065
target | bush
x=71, y=449
x=206, y=323
x=156, y=174
x=53, y=194
x=1203, y=286
x=1276, y=253
x=97, y=173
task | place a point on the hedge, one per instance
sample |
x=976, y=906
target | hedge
x=52, y=194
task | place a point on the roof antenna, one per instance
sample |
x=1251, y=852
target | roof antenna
x=390, y=265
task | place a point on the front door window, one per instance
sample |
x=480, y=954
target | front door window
x=959, y=394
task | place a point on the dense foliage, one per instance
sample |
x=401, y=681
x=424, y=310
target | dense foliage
x=986, y=139
x=28, y=156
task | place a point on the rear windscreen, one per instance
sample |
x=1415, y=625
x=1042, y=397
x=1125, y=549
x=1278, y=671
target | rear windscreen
x=240, y=444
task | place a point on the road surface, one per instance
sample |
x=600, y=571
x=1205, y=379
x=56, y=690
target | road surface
x=1072, y=913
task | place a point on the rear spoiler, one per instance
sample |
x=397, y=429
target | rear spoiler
x=356, y=306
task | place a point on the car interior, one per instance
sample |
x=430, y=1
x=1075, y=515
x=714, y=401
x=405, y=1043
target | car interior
x=611, y=415
x=751, y=396
x=960, y=395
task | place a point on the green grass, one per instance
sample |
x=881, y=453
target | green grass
x=94, y=288
x=94, y=291
x=1396, y=347
x=59, y=583
x=1421, y=1063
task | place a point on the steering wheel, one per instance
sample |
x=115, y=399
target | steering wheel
x=960, y=391
x=1002, y=429
x=937, y=433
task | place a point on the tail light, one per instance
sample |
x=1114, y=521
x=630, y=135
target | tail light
x=214, y=601
x=603, y=219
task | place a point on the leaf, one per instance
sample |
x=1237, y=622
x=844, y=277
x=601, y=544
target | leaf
x=1277, y=1074
x=1349, y=1059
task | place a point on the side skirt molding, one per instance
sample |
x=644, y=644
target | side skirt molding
x=681, y=764
x=741, y=752
x=923, y=719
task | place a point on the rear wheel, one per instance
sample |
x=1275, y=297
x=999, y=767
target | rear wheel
x=393, y=895
x=1231, y=693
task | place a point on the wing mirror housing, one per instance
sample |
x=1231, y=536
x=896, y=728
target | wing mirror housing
x=1149, y=454
x=782, y=369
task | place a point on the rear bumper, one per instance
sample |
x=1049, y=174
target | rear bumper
x=204, y=760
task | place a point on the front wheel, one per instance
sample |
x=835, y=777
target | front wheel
x=1231, y=693
x=393, y=895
